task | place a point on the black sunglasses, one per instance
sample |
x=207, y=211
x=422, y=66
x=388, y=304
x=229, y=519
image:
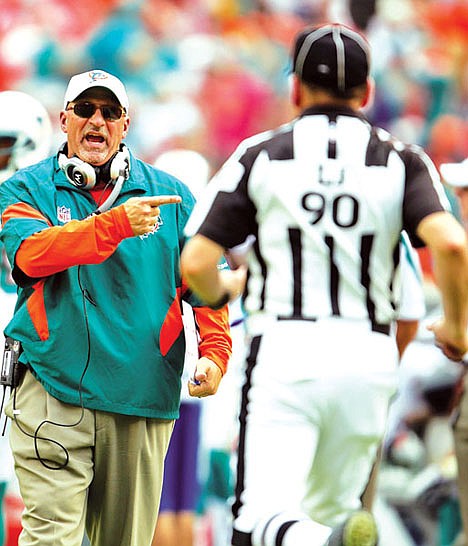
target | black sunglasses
x=110, y=112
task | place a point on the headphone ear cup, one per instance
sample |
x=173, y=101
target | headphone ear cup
x=120, y=164
x=80, y=174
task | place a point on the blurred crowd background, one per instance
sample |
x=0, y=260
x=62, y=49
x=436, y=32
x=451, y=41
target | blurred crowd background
x=203, y=74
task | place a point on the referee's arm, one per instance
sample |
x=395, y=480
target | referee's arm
x=448, y=244
x=199, y=266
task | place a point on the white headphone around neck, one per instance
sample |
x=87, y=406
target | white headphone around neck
x=84, y=176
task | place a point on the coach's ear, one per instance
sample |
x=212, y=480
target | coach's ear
x=369, y=96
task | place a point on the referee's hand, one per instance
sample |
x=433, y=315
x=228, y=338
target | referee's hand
x=143, y=212
x=452, y=343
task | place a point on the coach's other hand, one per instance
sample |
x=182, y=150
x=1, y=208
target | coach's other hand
x=206, y=378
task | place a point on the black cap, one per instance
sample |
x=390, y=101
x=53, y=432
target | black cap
x=331, y=56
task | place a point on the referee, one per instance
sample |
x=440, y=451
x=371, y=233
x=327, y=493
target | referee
x=322, y=201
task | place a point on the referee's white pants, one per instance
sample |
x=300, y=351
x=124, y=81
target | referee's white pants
x=314, y=412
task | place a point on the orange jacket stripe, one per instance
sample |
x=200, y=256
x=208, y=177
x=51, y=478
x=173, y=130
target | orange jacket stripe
x=37, y=311
x=172, y=326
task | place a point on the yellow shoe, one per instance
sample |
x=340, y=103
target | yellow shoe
x=358, y=530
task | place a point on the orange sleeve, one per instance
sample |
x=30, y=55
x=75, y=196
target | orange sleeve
x=88, y=241
x=215, y=335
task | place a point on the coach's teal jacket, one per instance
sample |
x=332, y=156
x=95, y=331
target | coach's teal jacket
x=102, y=308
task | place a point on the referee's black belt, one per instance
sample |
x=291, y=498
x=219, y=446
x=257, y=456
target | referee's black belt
x=375, y=326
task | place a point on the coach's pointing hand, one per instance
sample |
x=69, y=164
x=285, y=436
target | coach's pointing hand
x=143, y=212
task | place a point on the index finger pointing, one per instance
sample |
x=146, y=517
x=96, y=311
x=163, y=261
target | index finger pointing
x=157, y=200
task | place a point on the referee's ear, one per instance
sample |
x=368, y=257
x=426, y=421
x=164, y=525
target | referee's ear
x=368, y=99
x=294, y=85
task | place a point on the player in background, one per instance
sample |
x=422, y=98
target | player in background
x=411, y=307
x=410, y=311
x=25, y=138
x=326, y=198
x=203, y=329
x=456, y=176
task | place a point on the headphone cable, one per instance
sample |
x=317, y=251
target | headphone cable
x=35, y=436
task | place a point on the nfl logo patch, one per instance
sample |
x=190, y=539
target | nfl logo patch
x=63, y=214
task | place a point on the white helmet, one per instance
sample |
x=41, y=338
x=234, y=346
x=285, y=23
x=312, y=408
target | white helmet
x=25, y=121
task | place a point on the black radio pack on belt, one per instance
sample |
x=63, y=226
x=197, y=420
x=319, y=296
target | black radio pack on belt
x=12, y=369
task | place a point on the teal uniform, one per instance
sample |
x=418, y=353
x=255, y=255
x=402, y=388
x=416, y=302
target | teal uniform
x=108, y=334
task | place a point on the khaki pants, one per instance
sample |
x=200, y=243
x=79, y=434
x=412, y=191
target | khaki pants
x=112, y=480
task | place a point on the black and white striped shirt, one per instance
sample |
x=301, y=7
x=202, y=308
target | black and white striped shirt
x=325, y=198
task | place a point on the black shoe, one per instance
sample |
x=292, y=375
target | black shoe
x=358, y=530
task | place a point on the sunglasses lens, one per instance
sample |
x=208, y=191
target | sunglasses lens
x=87, y=109
x=111, y=112
x=84, y=109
